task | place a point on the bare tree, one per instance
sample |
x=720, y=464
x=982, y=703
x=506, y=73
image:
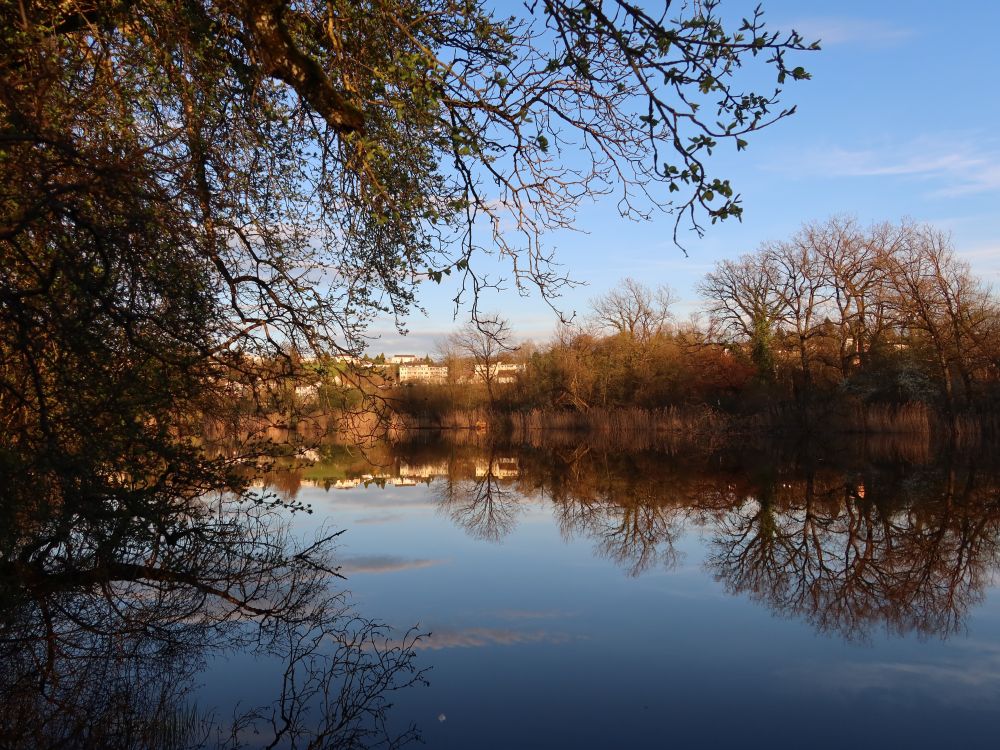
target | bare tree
x=853, y=261
x=484, y=341
x=897, y=289
x=939, y=305
x=634, y=309
x=742, y=297
x=803, y=292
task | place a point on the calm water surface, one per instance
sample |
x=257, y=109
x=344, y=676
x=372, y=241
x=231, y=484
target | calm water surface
x=586, y=599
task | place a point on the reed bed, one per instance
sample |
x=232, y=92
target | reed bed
x=667, y=427
x=918, y=425
x=911, y=418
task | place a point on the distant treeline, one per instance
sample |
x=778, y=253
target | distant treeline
x=881, y=324
x=877, y=328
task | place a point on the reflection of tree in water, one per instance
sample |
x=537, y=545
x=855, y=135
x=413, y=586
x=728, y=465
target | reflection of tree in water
x=627, y=517
x=618, y=501
x=633, y=529
x=109, y=608
x=481, y=504
x=911, y=557
x=909, y=549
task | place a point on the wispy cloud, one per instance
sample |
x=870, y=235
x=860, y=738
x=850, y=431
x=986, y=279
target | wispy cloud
x=985, y=259
x=832, y=31
x=423, y=338
x=382, y=564
x=534, y=614
x=419, y=342
x=951, y=166
x=479, y=637
x=386, y=518
x=969, y=676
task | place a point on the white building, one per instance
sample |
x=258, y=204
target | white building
x=500, y=372
x=423, y=471
x=403, y=359
x=307, y=392
x=423, y=373
x=499, y=468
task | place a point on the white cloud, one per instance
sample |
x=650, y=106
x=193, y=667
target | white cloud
x=834, y=31
x=949, y=165
x=384, y=518
x=534, y=614
x=382, y=564
x=968, y=675
x=478, y=637
x=984, y=259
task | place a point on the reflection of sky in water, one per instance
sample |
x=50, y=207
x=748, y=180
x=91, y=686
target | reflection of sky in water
x=540, y=642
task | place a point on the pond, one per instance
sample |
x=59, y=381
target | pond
x=480, y=595
x=590, y=599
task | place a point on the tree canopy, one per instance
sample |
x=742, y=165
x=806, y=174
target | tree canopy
x=311, y=162
x=190, y=188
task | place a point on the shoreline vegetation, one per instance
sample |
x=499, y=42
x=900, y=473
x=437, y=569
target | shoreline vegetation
x=912, y=432
x=406, y=414
x=841, y=329
x=703, y=424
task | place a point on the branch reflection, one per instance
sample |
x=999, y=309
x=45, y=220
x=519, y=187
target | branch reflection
x=485, y=503
x=909, y=555
x=109, y=608
x=851, y=546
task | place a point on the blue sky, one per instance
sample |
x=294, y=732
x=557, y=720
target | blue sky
x=898, y=121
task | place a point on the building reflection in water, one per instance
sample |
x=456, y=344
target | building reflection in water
x=851, y=545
